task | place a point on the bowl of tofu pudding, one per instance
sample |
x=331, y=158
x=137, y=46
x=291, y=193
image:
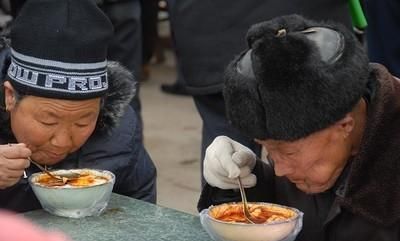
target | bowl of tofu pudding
x=226, y=222
x=74, y=193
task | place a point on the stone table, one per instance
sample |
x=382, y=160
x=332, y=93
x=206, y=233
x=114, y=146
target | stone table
x=126, y=219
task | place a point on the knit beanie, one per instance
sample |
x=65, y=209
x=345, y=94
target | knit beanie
x=297, y=77
x=59, y=49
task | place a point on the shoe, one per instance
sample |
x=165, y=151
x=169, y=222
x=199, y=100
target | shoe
x=174, y=89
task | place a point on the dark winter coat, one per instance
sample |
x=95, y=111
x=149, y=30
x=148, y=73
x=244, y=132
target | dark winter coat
x=209, y=33
x=364, y=204
x=115, y=145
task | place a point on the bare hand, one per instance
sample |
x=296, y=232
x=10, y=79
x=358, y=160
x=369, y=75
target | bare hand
x=13, y=162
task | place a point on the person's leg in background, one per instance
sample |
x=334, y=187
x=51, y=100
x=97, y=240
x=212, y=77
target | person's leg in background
x=149, y=33
x=126, y=46
x=211, y=109
x=383, y=33
x=179, y=86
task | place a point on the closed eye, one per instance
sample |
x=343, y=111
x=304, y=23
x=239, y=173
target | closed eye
x=80, y=125
x=48, y=123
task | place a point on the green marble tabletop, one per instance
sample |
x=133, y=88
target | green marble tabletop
x=126, y=219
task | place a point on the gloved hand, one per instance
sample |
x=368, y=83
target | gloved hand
x=13, y=162
x=225, y=160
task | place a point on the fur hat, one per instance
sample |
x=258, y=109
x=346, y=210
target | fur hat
x=297, y=77
x=59, y=49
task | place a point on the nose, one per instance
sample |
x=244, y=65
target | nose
x=62, y=138
x=283, y=168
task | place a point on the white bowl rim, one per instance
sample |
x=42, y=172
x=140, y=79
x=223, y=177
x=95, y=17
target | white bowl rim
x=298, y=215
x=112, y=180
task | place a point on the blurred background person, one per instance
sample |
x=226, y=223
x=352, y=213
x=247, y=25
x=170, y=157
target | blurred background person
x=149, y=20
x=126, y=44
x=383, y=33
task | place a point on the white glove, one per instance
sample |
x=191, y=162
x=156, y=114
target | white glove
x=225, y=160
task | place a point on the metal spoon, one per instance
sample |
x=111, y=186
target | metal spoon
x=246, y=211
x=44, y=170
x=60, y=177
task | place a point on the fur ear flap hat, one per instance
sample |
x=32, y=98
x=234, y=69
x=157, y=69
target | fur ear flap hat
x=297, y=77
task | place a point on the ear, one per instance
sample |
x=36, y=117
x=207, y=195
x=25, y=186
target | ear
x=346, y=125
x=9, y=96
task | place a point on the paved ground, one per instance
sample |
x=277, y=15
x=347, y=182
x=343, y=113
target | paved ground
x=172, y=133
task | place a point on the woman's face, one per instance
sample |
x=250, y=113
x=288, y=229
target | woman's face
x=52, y=128
x=313, y=163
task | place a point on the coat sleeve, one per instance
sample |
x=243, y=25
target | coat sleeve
x=264, y=190
x=121, y=151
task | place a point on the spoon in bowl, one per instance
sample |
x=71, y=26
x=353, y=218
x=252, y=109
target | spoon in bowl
x=246, y=212
x=60, y=178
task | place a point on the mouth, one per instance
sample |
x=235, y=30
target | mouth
x=311, y=189
x=55, y=155
x=297, y=180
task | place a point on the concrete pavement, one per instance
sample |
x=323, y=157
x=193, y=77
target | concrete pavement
x=172, y=135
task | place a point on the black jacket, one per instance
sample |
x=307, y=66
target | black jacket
x=209, y=33
x=115, y=145
x=364, y=204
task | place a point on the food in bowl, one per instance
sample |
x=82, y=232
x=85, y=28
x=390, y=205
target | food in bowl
x=267, y=213
x=226, y=222
x=75, y=197
x=84, y=178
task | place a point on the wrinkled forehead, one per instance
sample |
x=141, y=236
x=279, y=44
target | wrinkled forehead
x=44, y=102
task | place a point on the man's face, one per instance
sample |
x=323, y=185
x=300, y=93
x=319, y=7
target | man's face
x=313, y=163
x=53, y=128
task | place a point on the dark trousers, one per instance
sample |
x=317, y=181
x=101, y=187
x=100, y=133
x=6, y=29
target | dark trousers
x=149, y=28
x=211, y=109
x=383, y=33
x=126, y=45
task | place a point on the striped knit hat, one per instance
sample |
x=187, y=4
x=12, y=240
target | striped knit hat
x=59, y=49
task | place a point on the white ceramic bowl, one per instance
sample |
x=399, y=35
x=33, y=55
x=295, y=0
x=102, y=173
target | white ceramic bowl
x=71, y=201
x=285, y=230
